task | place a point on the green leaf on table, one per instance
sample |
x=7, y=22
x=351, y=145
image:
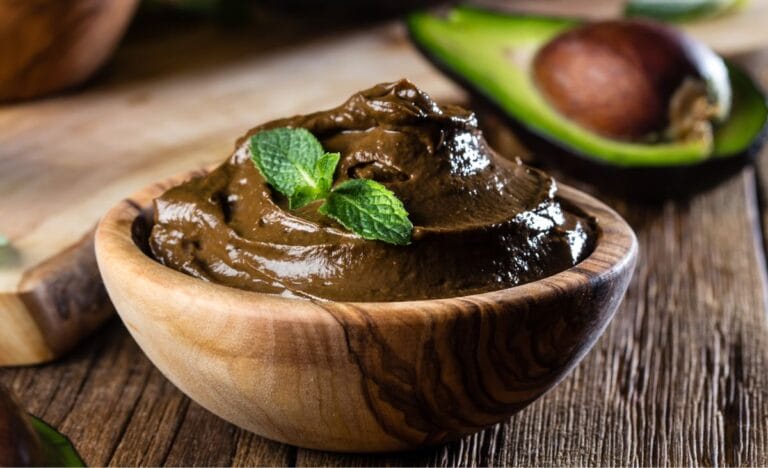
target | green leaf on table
x=294, y=163
x=57, y=449
x=370, y=210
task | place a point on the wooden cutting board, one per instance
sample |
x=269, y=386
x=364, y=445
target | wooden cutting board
x=167, y=104
x=738, y=32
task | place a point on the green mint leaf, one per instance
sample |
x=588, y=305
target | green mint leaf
x=294, y=163
x=57, y=449
x=370, y=210
x=324, y=170
x=303, y=196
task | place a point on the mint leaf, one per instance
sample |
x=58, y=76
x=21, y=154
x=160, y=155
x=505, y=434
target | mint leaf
x=325, y=169
x=294, y=163
x=370, y=210
x=57, y=449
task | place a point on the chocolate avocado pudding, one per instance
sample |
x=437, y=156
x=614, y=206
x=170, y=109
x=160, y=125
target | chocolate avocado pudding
x=481, y=222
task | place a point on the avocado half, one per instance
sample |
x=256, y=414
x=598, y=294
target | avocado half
x=492, y=53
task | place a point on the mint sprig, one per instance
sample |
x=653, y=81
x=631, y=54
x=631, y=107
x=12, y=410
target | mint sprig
x=370, y=210
x=294, y=163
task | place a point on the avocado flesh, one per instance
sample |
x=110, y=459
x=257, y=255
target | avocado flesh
x=493, y=53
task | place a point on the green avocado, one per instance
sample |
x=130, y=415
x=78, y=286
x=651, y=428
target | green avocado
x=492, y=53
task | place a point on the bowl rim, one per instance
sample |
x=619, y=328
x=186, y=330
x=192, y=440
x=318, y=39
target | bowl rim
x=615, y=251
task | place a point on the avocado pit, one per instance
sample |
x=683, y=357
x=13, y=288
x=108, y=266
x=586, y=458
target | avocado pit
x=634, y=81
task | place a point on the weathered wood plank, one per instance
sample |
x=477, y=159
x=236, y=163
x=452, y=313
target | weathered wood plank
x=679, y=377
x=253, y=450
x=119, y=410
x=157, y=417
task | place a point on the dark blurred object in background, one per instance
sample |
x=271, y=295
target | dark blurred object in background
x=378, y=8
x=243, y=12
x=19, y=445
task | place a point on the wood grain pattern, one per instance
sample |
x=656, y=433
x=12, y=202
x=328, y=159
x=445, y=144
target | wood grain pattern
x=119, y=410
x=65, y=296
x=679, y=377
x=361, y=377
x=54, y=306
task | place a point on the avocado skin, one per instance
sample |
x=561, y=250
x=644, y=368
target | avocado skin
x=637, y=183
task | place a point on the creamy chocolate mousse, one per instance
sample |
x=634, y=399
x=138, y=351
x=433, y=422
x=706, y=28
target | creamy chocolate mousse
x=481, y=222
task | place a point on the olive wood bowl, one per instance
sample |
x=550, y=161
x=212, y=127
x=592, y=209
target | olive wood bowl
x=361, y=377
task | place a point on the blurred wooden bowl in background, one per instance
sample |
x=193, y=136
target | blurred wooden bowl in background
x=49, y=45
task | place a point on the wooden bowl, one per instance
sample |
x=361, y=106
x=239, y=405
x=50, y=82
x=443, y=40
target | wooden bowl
x=361, y=377
x=48, y=45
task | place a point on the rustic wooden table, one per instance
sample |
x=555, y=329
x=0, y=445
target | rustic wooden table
x=679, y=378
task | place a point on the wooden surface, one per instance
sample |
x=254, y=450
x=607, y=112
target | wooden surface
x=365, y=377
x=734, y=33
x=48, y=274
x=680, y=376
